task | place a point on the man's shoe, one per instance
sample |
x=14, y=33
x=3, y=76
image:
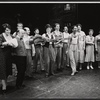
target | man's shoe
x=3, y=92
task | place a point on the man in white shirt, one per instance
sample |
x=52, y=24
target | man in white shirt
x=58, y=46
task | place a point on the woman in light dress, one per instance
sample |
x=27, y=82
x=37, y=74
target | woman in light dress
x=81, y=46
x=97, y=48
x=89, y=49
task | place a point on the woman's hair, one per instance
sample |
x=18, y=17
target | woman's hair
x=56, y=24
x=79, y=25
x=74, y=26
x=48, y=26
x=91, y=30
x=36, y=29
x=6, y=25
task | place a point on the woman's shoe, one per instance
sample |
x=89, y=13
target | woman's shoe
x=72, y=73
x=88, y=67
x=91, y=67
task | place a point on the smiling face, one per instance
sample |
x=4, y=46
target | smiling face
x=79, y=28
x=27, y=30
x=7, y=31
x=65, y=29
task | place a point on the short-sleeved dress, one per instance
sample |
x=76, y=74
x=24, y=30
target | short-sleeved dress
x=89, y=49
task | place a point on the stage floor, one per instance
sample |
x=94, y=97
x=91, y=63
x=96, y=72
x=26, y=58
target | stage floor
x=85, y=84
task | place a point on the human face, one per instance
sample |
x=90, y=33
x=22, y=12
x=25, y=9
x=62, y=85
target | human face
x=20, y=26
x=27, y=31
x=65, y=29
x=57, y=27
x=79, y=28
x=7, y=31
x=91, y=32
x=75, y=29
x=21, y=33
x=48, y=30
x=37, y=31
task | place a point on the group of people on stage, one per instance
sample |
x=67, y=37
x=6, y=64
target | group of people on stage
x=54, y=50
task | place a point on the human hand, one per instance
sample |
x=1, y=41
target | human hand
x=5, y=43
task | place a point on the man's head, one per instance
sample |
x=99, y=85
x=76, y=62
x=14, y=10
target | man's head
x=79, y=26
x=19, y=26
x=27, y=30
x=36, y=31
x=20, y=33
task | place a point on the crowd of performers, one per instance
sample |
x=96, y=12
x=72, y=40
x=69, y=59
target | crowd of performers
x=53, y=49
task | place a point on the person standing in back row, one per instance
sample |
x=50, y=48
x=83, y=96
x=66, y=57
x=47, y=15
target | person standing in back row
x=58, y=46
x=66, y=47
x=90, y=49
x=81, y=46
x=97, y=48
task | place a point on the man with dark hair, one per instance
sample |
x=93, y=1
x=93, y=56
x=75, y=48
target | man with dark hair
x=49, y=52
x=37, y=41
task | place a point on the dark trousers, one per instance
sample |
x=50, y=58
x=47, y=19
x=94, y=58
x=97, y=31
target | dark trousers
x=21, y=68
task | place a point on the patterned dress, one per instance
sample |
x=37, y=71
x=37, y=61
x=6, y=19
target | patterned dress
x=89, y=49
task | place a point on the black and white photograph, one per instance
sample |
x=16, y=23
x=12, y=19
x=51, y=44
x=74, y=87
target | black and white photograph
x=50, y=50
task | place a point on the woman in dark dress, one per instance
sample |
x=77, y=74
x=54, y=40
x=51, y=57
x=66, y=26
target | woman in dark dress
x=6, y=44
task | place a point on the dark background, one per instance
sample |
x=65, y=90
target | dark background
x=38, y=15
